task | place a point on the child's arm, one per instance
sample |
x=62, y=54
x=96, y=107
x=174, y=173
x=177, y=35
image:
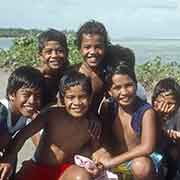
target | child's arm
x=6, y=163
x=146, y=146
x=36, y=138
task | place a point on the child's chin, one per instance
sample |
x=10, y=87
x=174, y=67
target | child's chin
x=27, y=114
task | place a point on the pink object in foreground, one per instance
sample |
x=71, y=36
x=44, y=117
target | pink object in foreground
x=85, y=162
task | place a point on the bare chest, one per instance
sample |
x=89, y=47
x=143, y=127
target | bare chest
x=69, y=136
x=125, y=134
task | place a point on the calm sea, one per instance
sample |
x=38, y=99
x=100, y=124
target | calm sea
x=5, y=43
x=168, y=50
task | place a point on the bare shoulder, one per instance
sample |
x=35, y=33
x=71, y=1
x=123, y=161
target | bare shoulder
x=149, y=112
x=149, y=116
x=53, y=112
x=85, y=70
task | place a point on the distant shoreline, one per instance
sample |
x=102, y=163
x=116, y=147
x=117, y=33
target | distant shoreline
x=120, y=39
x=145, y=39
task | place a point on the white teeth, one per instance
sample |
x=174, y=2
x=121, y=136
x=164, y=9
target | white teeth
x=29, y=108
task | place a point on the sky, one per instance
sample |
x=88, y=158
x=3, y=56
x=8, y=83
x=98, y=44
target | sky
x=122, y=18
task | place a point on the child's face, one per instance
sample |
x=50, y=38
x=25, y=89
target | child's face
x=53, y=55
x=123, y=89
x=25, y=101
x=76, y=101
x=92, y=49
x=165, y=104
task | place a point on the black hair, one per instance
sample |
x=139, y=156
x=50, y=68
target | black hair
x=92, y=27
x=120, y=69
x=117, y=55
x=74, y=78
x=52, y=35
x=165, y=85
x=25, y=77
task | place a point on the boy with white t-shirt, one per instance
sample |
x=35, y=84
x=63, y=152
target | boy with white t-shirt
x=24, y=94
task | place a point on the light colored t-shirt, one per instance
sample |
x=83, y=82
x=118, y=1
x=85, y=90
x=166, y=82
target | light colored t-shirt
x=21, y=122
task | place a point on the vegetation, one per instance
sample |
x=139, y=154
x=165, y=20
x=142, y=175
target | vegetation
x=24, y=52
x=152, y=71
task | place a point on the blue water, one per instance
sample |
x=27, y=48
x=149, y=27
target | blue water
x=5, y=43
x=168, y=50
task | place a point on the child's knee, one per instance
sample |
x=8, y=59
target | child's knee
x=76, y=173
x=142, y=167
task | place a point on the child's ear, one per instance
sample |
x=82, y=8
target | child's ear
x=90, y=99
x=39, y=56
x=109, y=92
x=11, y=97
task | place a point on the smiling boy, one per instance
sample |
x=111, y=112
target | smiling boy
x=92, y=42
x=133, y=128
x=25, y=91
x=53, y=54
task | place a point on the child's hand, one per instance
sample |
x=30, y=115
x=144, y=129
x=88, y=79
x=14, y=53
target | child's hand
x=86, y=163
x=95, y=129
x=35, y=115
x=163, y=108
x=92, y=169
x=103, y=157
x=6, y=167
x=173, y=134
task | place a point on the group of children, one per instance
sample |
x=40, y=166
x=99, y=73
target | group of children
x=96, y=109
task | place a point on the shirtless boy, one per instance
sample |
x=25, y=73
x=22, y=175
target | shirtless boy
x=92, y=42
x=133, y=128
x=66, y=132
x=53, y=53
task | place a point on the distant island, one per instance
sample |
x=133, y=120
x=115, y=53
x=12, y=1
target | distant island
x=17, y=32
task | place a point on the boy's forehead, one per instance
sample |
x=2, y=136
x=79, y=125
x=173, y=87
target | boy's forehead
x=75, y=89
x=29, y=89
x=89, y=36
x=121, y=78
x=52, y=44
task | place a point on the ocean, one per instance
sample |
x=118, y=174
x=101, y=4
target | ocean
x=148, y=49
x=5, y=43
x=144, y=49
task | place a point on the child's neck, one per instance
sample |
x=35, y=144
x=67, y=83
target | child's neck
x=14, y=118
x=96, y=70
x=129, y=109
x=49, y=72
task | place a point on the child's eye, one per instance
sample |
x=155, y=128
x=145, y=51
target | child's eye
x=60, y=51
x=48, y=51
x=38, y=96
x=99, y=46
x=129, y=85
x=83, y=97
x=69, y=97
x=86, y=47
x=116, y=87
x=26, y=95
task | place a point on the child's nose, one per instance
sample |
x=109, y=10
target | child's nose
x=123, y=91
x=77, y=101
x=54, y=53
x=92, y=50
x=31, y=99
